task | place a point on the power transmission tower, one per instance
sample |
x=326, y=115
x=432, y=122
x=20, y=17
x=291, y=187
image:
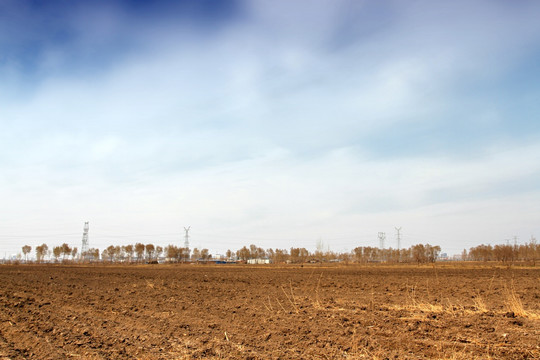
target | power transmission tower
x=84, y=246
x=186, y=237
x=382, y=237
x=398, y=238
x=398, y=242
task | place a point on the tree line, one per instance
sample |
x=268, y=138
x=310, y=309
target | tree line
x=419, y=253
x=529, y=252
x=139, y=253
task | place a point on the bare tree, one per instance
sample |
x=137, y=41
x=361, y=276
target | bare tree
x=150, y=250
x=26, y=250
x=171, y=253
x=128, y=250
x=299, y=255
x=93, y=253
x=243, y=254
x=271, y=254
x=57, y=252
x=110, y=252
x=418, y=253
x=119, y=253
x=139, y=250
x=281, y=255
x=105, y=254
x=41, y=251
x=253, y=253
x=205, y=254
x=196, y=254
x=432, y=252
x=66, y=250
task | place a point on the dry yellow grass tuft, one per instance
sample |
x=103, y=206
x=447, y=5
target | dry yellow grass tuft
x=513, y=304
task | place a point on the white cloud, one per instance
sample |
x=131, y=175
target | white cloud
x=255, y=134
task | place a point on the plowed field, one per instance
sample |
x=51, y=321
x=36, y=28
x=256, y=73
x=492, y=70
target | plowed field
x=268, y=312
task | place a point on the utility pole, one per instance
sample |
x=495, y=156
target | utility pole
x=84, y=246
x=186, y=237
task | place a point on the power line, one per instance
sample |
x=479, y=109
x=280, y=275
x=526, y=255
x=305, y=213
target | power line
x=36, y=236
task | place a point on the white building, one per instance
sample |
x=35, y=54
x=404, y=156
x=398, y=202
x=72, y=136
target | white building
x=258, y=261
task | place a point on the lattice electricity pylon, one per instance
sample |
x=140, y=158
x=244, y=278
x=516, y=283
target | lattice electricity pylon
x=84, y=246
x=186, y=237
x=382, y=237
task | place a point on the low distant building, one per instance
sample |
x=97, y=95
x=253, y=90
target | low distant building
x=259, y=261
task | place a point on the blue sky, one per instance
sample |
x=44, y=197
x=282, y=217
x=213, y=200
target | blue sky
x=279, y=123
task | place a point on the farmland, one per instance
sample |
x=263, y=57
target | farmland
x=269, y=312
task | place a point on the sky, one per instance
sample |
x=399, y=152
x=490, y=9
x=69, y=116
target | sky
x=276, y=123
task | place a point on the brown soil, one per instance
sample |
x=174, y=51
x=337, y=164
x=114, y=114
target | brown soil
x=244, y=312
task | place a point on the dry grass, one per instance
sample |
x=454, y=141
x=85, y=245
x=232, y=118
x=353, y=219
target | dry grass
x=290, y=297
x=513, y=304
x=418, y=303
x=480, y=304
